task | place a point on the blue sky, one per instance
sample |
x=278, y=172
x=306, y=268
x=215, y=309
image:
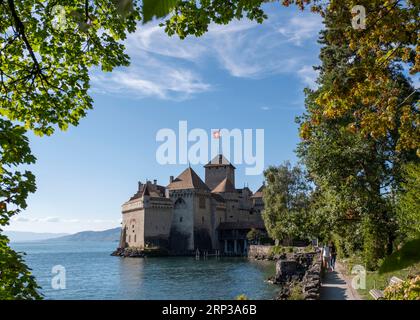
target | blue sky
x=243, y=75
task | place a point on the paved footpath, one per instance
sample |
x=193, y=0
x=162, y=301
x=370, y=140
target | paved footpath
x=335, y=286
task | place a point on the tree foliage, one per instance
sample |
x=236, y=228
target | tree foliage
x=286, y=199
x=16, y=281
x=356, y=175
x=408, y=201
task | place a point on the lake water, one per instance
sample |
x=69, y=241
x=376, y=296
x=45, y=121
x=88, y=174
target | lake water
x=91, y=273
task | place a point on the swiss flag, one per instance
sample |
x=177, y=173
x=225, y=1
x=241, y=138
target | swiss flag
x=216, y=134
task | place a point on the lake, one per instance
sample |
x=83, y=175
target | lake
x=91, y=273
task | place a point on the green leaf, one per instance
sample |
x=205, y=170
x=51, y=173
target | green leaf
x=157, y=8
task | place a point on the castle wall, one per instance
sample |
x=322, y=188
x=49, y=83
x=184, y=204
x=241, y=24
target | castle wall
x=216, y=174
x=202, y=221
x=182, y=226
x=133, y=221
x=157, y=226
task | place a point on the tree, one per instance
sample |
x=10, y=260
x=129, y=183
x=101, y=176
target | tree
x=408, y=201
x=355, y=174
x=254, y=236
x=286, y=198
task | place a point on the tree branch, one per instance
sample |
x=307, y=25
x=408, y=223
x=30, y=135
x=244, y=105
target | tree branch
x=21, y=30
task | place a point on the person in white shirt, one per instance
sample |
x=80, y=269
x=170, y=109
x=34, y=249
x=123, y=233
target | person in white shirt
x=326, y=256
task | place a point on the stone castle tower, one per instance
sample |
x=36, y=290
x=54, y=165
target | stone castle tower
x=217, y=170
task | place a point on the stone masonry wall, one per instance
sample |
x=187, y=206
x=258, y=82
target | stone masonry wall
x=259, y=252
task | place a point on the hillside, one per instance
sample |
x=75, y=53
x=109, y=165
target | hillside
x=23, y=236
x=106, y=235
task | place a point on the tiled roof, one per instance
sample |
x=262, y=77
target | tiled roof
x=219, y=161
x=224, y=186
x=259, y=192
x=149, y=189
x=188, y=179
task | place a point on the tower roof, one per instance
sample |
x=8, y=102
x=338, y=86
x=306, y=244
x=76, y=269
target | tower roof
x=188, y=179
x=149, y=189
x=259, y=192
x=219, y=161
x=224, y=186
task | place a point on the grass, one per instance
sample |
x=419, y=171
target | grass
x=407, y=256
x=401, y=264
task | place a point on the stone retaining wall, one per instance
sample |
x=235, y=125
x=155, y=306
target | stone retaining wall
x=299, y=270
x=259, y=252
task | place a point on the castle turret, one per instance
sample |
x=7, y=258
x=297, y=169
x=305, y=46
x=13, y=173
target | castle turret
x=217, y=170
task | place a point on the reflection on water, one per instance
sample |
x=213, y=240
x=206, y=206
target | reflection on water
x=91, y=273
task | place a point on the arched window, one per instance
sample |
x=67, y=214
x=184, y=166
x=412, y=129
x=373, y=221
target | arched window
x=180, y=204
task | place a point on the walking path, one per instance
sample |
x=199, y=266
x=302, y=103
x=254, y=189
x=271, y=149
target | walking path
x=336, y=286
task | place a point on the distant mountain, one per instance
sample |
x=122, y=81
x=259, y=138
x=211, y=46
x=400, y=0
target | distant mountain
x=22, y=236
x=106, y=235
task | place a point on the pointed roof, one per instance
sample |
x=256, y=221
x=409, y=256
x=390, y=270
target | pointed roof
x=149, y=189
x=188, y=179
x=219, y=161
x=224, y=186
x=259, y=192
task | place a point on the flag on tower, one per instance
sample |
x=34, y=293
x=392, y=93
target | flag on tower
x=216, y=134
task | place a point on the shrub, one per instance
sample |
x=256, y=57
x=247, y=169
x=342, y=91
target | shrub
x=407, y=290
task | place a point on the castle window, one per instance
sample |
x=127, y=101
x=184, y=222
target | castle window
x=220, y=219
x=202, y=202
x=180, y=204
x=129, y=238
x=180, y=219
x=135, y=238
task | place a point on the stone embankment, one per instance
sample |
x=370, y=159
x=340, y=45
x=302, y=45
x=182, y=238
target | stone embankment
x=128, y=252
x=140, y=253
x=298, y=274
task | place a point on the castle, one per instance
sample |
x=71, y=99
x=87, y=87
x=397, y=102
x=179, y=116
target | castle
x=189, y=214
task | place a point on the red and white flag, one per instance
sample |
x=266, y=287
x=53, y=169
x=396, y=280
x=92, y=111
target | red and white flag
x=216, y=134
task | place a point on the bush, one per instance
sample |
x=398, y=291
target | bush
x=407, y=290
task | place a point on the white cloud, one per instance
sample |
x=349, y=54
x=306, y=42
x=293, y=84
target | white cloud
x=301, y=28
x=308, y=76
x=169, y=68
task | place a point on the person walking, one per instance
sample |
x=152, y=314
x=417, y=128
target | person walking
x=326, y=256
x=333, y=252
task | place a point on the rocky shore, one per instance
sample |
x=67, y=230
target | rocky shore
x=139, y=253
x=297, y=273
